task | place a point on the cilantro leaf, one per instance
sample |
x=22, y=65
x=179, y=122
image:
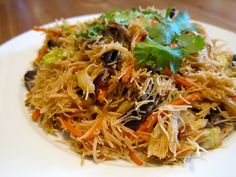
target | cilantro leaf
x=164, y=31
x=119, y=16
x=190, y=43
x=149, y=14
x=95, y=30
x=158, y=56
x=81, y=34
x=182, y=20
x=92, y=31
x=155, y=51
x=125, y=17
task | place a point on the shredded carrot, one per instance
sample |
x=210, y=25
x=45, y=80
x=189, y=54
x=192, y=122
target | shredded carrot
x=47, y=30
x=138, y=39
x=38, y=28
x=129, y=135
x=143, y=135
x=182, y=81
x=167, y=71
x=190, y=98
x=101, y=94
x=148, y=123
x=127, y=74
x=71, y=128
x=97, y=125
x=41, y=53
x=134, y=156
x=36, y=114
x=74, y=131
x=178, y=79
x=234, y=98
x=138, y=134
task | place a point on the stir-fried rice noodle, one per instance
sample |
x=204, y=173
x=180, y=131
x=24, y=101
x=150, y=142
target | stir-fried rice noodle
x=97, y=103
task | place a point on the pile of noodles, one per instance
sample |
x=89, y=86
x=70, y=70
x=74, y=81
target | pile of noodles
x=65, y=98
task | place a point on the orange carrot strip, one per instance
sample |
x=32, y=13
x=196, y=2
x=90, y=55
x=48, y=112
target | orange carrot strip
x=138, y=134
x=167, y=71
x=148, y=123
x=138, y=39
x=36, y=114
x=70, y=127
x=234, y=98
x=190, y=98
x=96, y=126
x=134, y=156
x=182, y=81
x=74, y=131
x=41, y=53
x=178, y=79
x=47, y=30
x=143, y=135
x=101, y=95
x=38, y=28
x=129, y=135
x=127, y=74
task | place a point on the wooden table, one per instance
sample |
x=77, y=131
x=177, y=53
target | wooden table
x=17, y=16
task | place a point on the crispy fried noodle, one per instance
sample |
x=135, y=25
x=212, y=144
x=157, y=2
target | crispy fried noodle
x=144, y=85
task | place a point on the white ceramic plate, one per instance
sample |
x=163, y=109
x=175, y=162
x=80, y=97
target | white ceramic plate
x=26, y=151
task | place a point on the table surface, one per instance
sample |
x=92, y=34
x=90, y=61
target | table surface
x=17, y=16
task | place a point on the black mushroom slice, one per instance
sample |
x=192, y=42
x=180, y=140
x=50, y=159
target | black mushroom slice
x=119, y=34
x=172, y=13
x=233, y=60
x=51, y=43
x=98, y=81
x=142, y=109
x=101, y=81
x=29, y=79
x=110, y=57
x=143, y=112
x=122, y=31
x=234, y=57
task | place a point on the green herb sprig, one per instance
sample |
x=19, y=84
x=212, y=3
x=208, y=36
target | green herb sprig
x=155, y=52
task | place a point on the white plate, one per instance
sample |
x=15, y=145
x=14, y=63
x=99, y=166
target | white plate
x=26, y=151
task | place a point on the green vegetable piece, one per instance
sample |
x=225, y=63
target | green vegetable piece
x=125, y=17
x=190, y=43
x=158, y=56
x=95, y=30
x=165, y=31
x=119, y=16
x=150, y=14
x=53, y=56
x=81, y=34
x=182, y=20
x=92, y=31
x=155, y=51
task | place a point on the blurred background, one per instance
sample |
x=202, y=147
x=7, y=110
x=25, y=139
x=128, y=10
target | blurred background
x=17, y=16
